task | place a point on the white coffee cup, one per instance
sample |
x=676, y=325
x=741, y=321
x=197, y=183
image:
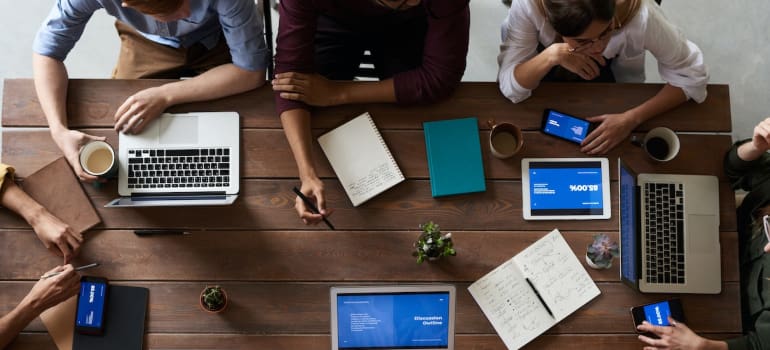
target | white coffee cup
x=98, y=158
x=661, y=144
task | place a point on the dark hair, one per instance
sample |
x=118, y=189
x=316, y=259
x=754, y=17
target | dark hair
x=572, y=17
x=155, y=7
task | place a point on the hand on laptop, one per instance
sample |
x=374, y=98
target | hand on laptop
x=675, y=337
x=139, y=109
x=69, y=142
x=314, y=190
x=613, y=129
x=56, y=236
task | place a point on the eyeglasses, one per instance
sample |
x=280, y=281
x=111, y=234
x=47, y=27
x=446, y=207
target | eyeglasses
x=389, y=4
x=583, y=44
x=766, y=222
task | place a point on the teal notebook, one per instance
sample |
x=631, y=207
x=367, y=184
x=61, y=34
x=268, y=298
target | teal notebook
x=454, y=156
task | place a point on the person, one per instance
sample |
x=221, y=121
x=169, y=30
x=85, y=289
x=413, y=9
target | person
x=56, y=235
x=46, y=293
x=220, y=43
x=599, y=41
x=747, y=166
x=418, y=47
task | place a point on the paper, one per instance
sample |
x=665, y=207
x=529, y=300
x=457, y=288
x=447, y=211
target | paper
x=361, y=159
x=511, y=305
x=60, y=322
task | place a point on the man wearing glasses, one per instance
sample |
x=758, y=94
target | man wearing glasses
x=418, y=48
x=599, y=41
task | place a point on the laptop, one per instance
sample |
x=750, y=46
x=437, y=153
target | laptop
x=669, y=232
x=188, y=159
x=393, y=317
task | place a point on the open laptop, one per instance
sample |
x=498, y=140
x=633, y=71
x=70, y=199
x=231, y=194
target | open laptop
x=669, y=232
x=393, y=317
x=186, y=159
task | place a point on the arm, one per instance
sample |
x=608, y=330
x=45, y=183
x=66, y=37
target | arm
x=296, y=125
x=43, y=295
x=747, y=161
x=57, y=236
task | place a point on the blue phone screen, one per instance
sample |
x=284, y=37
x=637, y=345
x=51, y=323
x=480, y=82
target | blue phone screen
x=657, y=314
x=91, y=304
x=566, y=126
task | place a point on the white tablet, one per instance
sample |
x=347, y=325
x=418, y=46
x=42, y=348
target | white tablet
x=565, y=188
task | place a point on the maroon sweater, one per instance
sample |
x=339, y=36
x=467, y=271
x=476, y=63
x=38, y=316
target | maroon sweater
x=444, y=52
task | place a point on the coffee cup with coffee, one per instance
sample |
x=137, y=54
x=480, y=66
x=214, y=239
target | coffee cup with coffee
x=98, y=158
x=661, y=144
x=505, y=139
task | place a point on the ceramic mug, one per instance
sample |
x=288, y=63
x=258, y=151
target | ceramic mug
x=98, y=158
x=505, y=139
x=661, y=144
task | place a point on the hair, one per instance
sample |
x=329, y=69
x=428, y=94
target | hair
x=572, y=17
x=154, y=7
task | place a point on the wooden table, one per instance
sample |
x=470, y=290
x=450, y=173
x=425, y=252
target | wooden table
x=278, y=271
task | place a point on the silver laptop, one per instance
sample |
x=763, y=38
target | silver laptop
x=669, y=232
x=186, y=159
x=393, y=317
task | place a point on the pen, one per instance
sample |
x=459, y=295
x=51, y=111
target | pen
x=312, y=207
x=80, y=268
x=160, y=232
x=539, y=297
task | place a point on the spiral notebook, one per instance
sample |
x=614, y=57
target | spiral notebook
x=361, y=159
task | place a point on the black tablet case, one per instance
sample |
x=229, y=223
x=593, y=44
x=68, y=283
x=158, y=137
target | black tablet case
x=124, y=326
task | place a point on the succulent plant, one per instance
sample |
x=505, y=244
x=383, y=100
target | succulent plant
x=431, y=244
x=213, y=298
x=601, y=251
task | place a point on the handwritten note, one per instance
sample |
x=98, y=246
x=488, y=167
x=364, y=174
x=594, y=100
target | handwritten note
x=377, y=180
x=511, y=305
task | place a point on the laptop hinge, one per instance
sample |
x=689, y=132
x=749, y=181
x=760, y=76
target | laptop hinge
x=169, y=194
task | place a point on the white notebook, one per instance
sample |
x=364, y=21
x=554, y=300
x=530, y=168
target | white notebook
x=510, y=303
x=361, y=159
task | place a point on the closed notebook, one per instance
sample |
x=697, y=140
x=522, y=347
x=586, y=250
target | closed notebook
x=57, y=189
x=361, y=159
x=454, y=156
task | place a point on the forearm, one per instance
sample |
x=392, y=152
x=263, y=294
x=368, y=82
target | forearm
x=749, y=152
x=667, y=98
x=367, y=91
x=296, y=126
x=709, y=344
x=14, y=322
x=221, y=81
x=50, y=76
x=529, y=74
x=18, y=201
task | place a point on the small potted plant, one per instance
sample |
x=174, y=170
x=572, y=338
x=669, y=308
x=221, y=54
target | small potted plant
x=431, y=245
x=213, y=299
x=600, y=253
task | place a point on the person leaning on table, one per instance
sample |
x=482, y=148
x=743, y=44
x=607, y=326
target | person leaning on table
x=599, y=41
x=747, y=165
x=44, y=294
x=220, y=42
x=418, y=47
x=56, y=235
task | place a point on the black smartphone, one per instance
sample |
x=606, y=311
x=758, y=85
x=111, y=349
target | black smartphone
x=657, y=313
x=92, y=305
x=565, y=126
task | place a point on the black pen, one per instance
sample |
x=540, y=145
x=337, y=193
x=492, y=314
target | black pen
x=312, y=207
x=539, y=297
x=160, y=232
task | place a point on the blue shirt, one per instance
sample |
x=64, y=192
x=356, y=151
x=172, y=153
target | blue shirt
x=238, y=19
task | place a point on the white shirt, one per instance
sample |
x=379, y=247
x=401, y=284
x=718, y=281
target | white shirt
x=680, y=62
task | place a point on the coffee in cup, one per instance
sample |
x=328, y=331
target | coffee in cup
x=661, y=144
x=505, y=139
x=98, y=158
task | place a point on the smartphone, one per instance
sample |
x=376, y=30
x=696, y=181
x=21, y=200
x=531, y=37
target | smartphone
x=657, y=313
x=92, y=305
x=565, y=126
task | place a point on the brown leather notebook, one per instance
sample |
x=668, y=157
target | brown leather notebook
x=56, y=187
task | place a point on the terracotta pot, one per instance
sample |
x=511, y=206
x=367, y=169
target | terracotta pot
x=200, y=301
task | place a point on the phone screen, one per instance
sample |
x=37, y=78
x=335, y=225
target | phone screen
x=91, y=303
x=657, y=314
x=565, y=126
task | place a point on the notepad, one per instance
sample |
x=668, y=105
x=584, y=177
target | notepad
x=454, y=156
x=513, y=307
x=361, y=159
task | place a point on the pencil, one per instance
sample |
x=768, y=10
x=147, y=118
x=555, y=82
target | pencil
x=311, y=206
x=80, y=268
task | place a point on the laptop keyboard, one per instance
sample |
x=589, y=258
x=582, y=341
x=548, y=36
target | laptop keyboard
x=664, y=233
x=179, y=168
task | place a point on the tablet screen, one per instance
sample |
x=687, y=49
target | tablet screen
x=567, y=189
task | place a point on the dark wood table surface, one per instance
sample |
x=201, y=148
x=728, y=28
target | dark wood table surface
x=278, y=271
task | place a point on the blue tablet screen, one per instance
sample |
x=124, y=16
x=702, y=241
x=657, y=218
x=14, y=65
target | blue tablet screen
x=566, y=188
x=401, y=320
x=91, y=304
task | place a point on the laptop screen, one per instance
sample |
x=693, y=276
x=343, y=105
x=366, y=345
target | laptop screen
x=393, y=320
x=628, y=225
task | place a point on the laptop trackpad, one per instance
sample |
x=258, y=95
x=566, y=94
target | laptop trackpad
x=179, y=130
x=703, y=233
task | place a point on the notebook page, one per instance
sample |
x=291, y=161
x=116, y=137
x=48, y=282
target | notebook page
x=360, y=158
x=510, y=305
x=557, y=274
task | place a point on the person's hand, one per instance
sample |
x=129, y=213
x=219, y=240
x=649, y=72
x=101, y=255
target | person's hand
x=767, y=248
x=613, y=129
x=761, y=138
x=675, y=337
x=139, y=109
x=314, y=190
x=56, y=236
x=51, y=291
x=69, y=142
x=584, y=64
x=312, y=89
